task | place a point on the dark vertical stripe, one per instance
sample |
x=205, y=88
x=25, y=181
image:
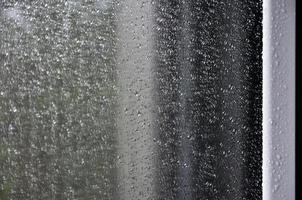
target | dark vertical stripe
x=167, y=86
x=209, y=90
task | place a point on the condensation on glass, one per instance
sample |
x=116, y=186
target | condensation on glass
x=130, y=99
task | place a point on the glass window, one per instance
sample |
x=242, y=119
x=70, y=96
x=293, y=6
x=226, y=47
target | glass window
x=131, y=99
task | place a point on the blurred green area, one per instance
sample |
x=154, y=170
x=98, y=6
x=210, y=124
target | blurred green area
x=57, y=100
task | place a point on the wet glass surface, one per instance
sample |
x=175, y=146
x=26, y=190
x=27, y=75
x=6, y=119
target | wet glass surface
x=130, y=99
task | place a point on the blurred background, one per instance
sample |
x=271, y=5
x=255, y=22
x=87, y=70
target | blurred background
x=130, y=99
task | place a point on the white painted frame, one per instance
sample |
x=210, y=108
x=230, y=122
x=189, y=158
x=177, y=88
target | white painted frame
x=279, y=99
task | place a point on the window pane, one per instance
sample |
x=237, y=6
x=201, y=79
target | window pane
x=129, y=99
